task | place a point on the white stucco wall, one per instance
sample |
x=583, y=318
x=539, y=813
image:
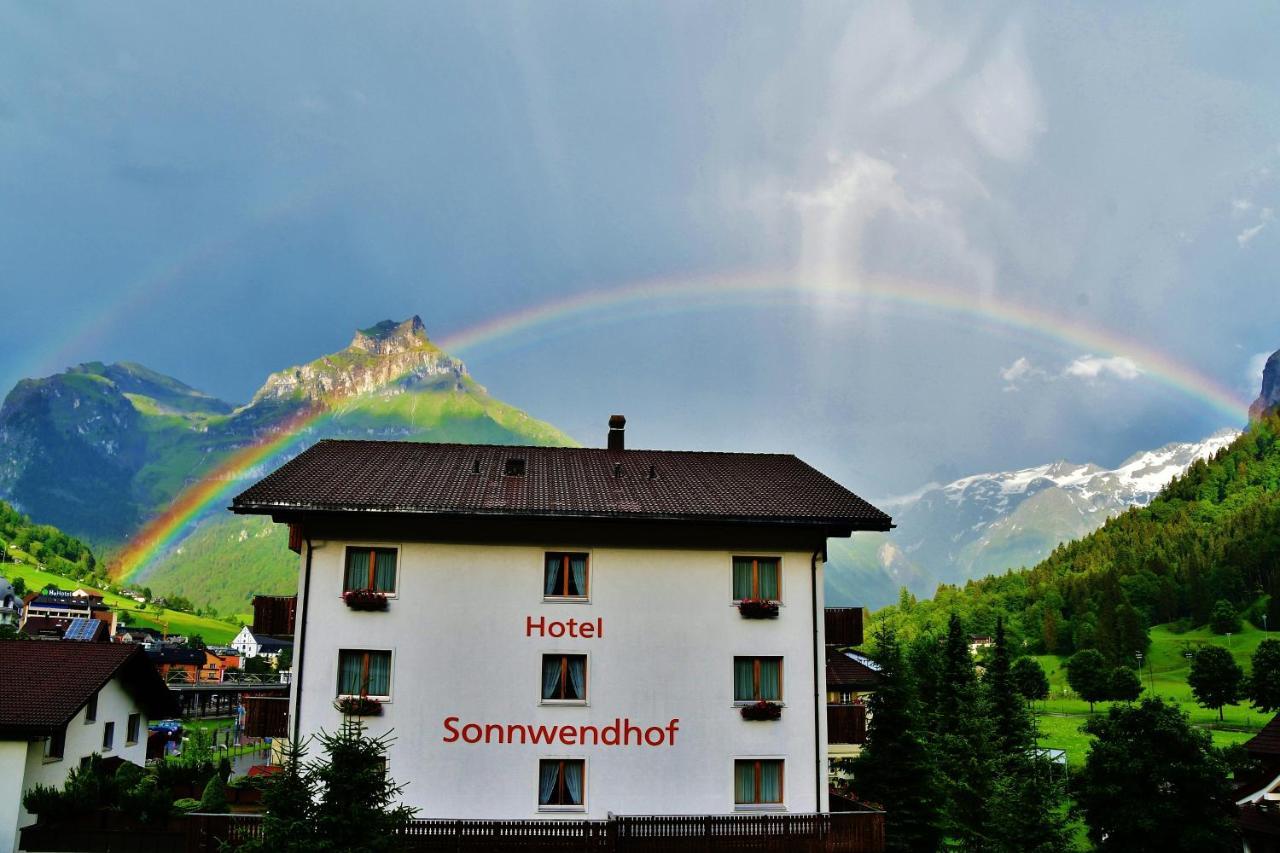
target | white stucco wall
x=83, y=739
x=13, y=764
x=457, y=631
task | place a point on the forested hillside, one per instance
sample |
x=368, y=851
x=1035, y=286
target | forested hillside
x=1212, y=534
x=49, y=546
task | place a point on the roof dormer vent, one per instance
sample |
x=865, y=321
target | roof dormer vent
x=475, y=466
x=514, y=467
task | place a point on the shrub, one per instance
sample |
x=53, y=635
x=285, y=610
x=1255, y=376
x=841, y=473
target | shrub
x=148, y=801
x=43, y=801
x=1223, y=618
x=186, y=804
x=215, y=795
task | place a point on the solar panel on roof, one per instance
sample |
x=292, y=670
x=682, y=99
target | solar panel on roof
x=81, y=629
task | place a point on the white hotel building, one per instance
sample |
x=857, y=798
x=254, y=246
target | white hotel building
x=562, y=632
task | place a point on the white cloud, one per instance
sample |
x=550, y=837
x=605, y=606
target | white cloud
x=1264, y=218
x=1241, y=206
x=1001, y=104
x=1090, y=367
x=1021, y=371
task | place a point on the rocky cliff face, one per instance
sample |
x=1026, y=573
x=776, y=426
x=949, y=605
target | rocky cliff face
x=1269, y=399
x=387, y=359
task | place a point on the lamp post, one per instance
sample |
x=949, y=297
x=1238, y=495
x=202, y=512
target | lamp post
x=1150, y=672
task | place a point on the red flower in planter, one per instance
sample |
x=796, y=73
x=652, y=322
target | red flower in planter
x=365, y=599
x=358, y=706
x=762, y=710
x=758, y=608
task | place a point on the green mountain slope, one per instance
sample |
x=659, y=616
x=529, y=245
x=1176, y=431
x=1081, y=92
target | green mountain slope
x=100, y=449
x=1211, y=534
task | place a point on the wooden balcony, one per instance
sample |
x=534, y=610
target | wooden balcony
x=266, y=715
x=847, y=724
x=273, y=615
x=844, y=626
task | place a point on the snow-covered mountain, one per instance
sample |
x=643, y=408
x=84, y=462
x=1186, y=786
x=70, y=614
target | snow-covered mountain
x=987, y=523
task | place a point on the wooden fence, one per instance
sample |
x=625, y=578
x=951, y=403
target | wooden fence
x=846, y=832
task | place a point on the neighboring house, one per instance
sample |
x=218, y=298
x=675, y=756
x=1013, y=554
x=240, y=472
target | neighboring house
x=1258, y=792
x=178, y=663
x=978, y=642
x=142, y=636
x=10, y=604
x=562, y=631
x=60, y=604
x=216, y=665
x=67, y=628
x=62, y=702
x=250, y=645
x=851, y=679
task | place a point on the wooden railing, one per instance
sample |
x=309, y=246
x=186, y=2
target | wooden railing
x=805, y=833
x=843, y=626
x=846, y=724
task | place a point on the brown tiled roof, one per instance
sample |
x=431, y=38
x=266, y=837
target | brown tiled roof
x=844, y=671
x=1267, y=741
x=43, y=684
x=469, y=479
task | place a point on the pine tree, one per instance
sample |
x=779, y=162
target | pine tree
x=289, y=803
x=895, y=769
x=357, y=811
x=1026, y=811
x=961, y=733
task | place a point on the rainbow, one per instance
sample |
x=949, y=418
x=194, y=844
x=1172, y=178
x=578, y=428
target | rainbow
x=671, y=297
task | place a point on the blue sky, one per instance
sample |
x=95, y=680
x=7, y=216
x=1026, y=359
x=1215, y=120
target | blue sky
x=221, y=191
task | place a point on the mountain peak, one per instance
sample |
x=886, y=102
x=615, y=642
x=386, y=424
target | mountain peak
x=1269, y=399
x=391, y=337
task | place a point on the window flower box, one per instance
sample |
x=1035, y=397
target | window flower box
x=758, y=608
x=365, y=599
x=358, y=706
x=762, y=710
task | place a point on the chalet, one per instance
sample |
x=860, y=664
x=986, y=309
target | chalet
x=247, y=644
x=567, y=631
x=1258, y=792
x=62, y=702
x=851, y=679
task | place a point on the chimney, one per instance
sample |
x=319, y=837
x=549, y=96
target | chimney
x=616, y=425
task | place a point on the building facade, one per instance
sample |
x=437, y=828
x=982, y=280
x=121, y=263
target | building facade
x=553, y=631
x=62, y=702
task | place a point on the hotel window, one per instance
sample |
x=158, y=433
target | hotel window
x=564, y=678
x=757, y=781
x=133, y=727
x=91, y=709
x=54, y=745
x=370, y=568
x=757, y=678
x=364, y=673
x=564, y=575
x=755, y=577
x=561, y=783
x=108, y=736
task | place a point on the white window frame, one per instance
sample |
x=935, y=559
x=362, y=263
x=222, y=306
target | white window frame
x=782, y=680
x=565, y=703
x=586, y=779
x=385, y=546
x=782, y=597
x=566, y=599
x=391, y=685
x=757, y=807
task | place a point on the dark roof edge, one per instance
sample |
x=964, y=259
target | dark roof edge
x=283, y=510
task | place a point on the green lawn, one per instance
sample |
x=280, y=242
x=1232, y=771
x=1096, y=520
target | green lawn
x=213, y=630
x=1164, y=673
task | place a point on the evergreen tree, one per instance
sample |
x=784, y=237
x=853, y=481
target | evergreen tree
x=1089, y=676
x=357, y=812
x=1026, y=811
x=962, y=738
x=1030, y=680
x=895, y=769
x=289, y=802
x=1215, y=679
x=214, y=798
x=1263, y=686
x=1151, y=782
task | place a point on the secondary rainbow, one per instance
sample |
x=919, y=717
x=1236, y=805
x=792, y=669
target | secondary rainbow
x=672, y=297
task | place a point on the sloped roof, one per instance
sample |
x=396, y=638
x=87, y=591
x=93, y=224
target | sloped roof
x=1267, y=741
x=43, y=684
x=469, y=479
x=176, y=655
x=848, y=669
